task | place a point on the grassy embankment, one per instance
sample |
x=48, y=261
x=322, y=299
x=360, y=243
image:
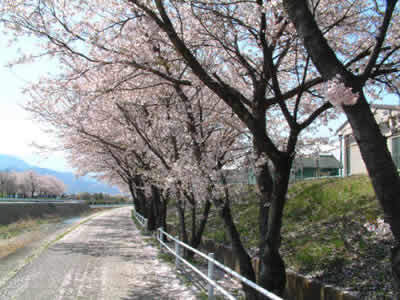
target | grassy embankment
x=11, y=235
x=323, y=233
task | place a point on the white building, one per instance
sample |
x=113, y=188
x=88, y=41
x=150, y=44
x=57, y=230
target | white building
x=388, y=118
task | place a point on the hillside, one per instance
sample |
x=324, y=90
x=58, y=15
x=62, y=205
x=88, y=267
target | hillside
x=74, y=185
x=324, y=234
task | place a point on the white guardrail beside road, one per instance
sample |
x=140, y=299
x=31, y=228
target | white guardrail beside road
x=211, y=264
x=38, y=200
x=142, y=220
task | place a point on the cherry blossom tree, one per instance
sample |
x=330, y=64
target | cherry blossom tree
x=371, y=31
x=8, y=185
x=32, y=184
x=249, y=84
x=247, y=54
x=150, y=130
x=259, y=74
x=50, y=186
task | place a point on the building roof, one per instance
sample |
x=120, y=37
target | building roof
x=385, y=106
x=323, y=162
x=375, y=106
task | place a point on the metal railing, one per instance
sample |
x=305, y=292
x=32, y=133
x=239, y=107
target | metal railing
x=211, y=263
x=322, y=177
x=10, y=199
x=142, y=220
x=110, y=205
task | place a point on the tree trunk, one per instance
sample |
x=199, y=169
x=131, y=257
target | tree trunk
x=136, y=202
x=182, y=225
x=157, y=209
x=382, y=171
x=165, y=201
x=198, y=234
x=203, y=221
x=193, y=219
x=140, y=195
x=246, y=268
x=151, y=217
x=272, y=268
x=265, y=185
x=187, y=253
x=372, y=143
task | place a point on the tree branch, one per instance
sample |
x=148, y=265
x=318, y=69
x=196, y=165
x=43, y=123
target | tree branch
x=390, y=5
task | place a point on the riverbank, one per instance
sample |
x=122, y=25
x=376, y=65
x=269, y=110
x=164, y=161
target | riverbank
x=13, y=212
x=20, y=249
x=25, y=231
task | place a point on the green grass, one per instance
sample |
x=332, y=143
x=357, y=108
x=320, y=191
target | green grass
x=322, y=232
x=321, y=219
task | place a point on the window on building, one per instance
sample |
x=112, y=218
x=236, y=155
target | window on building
x=396, y=150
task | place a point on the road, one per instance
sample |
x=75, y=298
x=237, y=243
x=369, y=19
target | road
x=104, y=258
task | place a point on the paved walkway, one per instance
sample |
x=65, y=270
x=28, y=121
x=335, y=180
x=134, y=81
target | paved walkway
x=104, y=258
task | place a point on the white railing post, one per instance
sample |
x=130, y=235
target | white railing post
x=211, y=276
x=212, y=263
x=177, y=252
x=160, y=236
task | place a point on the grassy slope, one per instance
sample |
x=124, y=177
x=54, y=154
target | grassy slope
x=323, y=233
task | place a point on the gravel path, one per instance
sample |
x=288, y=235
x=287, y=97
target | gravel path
x=104, y=258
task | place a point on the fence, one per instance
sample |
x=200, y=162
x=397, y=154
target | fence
x=211, y=263
x=142, y=220
x=37, y=200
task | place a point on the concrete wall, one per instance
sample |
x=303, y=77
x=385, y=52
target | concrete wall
x=12, y=212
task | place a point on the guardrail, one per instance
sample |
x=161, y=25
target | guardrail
x=142, y=220
x=211, y=263
x=36, y=200
x=322, y=177
x=110, y=205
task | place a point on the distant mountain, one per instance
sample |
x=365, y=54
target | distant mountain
x=12, y=163
x=74, y=185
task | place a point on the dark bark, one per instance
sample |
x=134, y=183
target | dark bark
x=193, y=212
x=141, y=198
x=151, y=217
x=197, y=234
x=379, y=163
x=272, y=274
x=382, y=171
x=246, y=268
x=165, y=201
x=265, y=185
x=189, y=254
x=372, y=143
x=196, y=240
x=180, y=205
x=154, y=214
x=132, y=190
x=157, y=206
